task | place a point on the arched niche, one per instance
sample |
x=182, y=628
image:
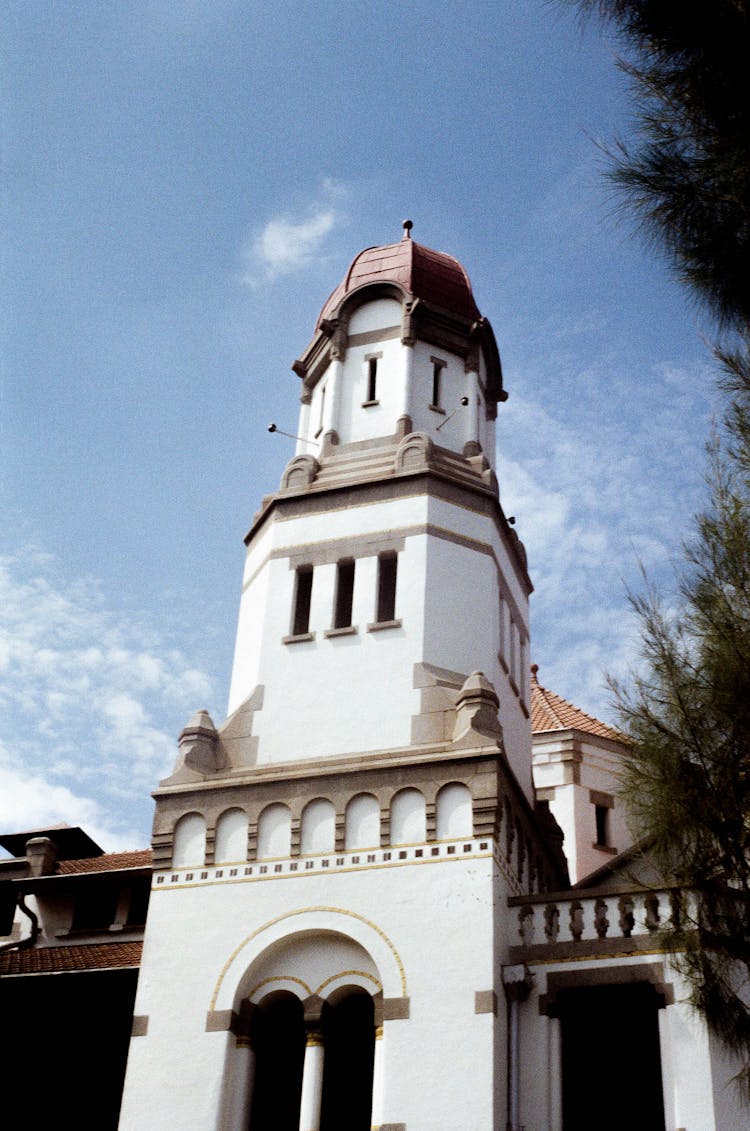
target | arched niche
x=231, y=837
x=454, y=812
x=274, y=832
x=379, y=313
x=189, y=843
x=362, y=827
x=408, y=818
x=318, y=827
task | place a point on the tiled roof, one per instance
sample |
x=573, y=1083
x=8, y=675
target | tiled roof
x=552, y=712
x=108, y=862
x=71, y=959
x=431, y=275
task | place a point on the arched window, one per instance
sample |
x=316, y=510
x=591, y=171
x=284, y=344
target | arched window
x=279, y=1041
x=454, y=812
x=408, y=820
x=363, y=822
x=231, y=837
x=189, y=845
x=274, y=832
x=318, y=827
x=349, y=1040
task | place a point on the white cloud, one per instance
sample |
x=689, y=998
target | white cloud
x=290, y=241
x=92, y=699
x=598, y=489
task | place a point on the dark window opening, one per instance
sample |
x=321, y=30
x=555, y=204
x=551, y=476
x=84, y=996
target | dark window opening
x=595, y=1070
x=602, y=825
x=387, y=564
x=372, y=378
x=437, y=370
x=349, y=1037
x=302, y=598
x=344, y=594
x=279, y=1042
x=87, y=1019
x=95, y=908
x=138, y=906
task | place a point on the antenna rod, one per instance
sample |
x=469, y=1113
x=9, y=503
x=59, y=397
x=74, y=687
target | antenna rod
x=462, y=404
x=274, y=428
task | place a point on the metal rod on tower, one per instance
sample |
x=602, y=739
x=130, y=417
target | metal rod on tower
x=462, y=404
x=274, y=428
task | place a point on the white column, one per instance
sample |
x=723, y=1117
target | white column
x=312, y=1082
x=378, y=1069
x=241, y=1084
x=472, y=413
x=554, y=1074
x=667, y=1068
x=408, y=378
x=333, y=396
x=304, y=445
x=513, y=1065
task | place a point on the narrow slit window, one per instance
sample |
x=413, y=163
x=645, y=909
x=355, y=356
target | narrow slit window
x=602, y=825
x=302, y=597
x=342, y=617
x=437, y=382
x=387, y=565
x=372, y=378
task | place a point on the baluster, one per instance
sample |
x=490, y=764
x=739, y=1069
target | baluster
x=526, y=926
x=627, y=918
x=601, y=922
x=653, y=919
x=551, y=922
x=576, y=921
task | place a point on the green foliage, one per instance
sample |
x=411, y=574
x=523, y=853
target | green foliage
x=687, y=175
x=687, y=780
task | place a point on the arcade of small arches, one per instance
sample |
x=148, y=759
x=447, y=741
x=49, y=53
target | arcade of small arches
x=366, y=822
x=319, y=829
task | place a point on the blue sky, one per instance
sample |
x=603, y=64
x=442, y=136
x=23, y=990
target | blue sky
x=184, y=184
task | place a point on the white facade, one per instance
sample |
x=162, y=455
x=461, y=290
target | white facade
x=364, y=826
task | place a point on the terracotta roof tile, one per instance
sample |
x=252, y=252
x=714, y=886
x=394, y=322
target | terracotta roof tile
x=108, y=862
x=71, y=959
x=552, y=712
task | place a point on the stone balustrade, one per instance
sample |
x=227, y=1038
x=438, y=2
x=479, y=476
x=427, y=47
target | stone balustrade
x=568, y=924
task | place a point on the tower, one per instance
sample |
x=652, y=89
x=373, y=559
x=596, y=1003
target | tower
x=328, y=926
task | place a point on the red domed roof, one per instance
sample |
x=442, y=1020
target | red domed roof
x=430, y=275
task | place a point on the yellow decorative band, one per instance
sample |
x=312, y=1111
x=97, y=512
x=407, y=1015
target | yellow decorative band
x=314, y=1039
x=378, y=1032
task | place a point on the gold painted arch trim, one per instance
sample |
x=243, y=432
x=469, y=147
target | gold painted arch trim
x=308, y=911
x=349, y=974
x=280, y=978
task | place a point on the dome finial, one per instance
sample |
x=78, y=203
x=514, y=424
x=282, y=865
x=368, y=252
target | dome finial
x=407, y=226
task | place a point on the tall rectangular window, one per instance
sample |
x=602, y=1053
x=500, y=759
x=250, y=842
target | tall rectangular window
x=602, y=825
x=372, y=379
x=342, y=616
x=437, y=381
x=387, y=565
x=302, y=597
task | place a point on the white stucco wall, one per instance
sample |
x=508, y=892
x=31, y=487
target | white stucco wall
x=426, y=932
x=348, y=693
